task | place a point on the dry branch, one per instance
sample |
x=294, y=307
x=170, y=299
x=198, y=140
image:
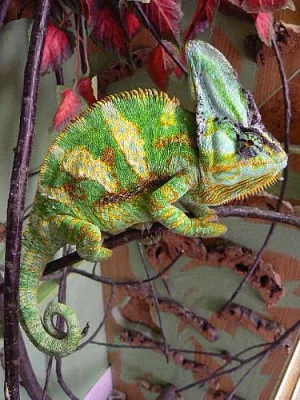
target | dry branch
x=138, y=339
x=268, y=330
x=16, y=200
x=167, y=305
x=219, y=252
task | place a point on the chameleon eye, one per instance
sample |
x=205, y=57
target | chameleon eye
x=249, y=145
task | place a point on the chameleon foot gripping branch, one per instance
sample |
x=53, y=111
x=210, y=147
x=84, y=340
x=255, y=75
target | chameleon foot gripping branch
x=130, y=159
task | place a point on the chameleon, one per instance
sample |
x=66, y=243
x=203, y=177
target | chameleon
x=138, y=157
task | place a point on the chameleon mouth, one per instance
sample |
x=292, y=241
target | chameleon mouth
x=224, y=194
x=258, y=188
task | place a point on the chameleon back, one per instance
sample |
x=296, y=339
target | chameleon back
x=122, y=148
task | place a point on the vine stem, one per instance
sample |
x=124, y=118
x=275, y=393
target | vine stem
x=15, y=209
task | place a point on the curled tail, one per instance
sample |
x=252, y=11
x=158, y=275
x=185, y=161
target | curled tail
x=36, y=251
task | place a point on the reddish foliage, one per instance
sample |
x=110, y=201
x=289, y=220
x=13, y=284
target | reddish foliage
x=202, y=18
x=160, y=65
x=84, y=89
x=165, y=15
x=20, y=9
x=57, y=49
x=253, y=6
x=132, y=23
x=70, y=106
x=264, y=26
x=111, y=33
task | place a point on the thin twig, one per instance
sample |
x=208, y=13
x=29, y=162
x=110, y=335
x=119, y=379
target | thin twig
x=230, y=395
x=3, y=11
x=62, y=297
x=223, y=371
x=16, y=199
x=27, y=375
x=33, y=173
x=61, y=381
x=109, y=281
x=106, y=312
x=59, y=76
x=148, y=24
x=174, y=349
x=81, y=44
x=156, y=302
x=257, y=213
x=288, y=114
x=48, y=374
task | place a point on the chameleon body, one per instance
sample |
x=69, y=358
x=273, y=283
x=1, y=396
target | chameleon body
x=134, y=158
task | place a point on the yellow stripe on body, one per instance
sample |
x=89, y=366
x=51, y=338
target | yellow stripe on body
x=80, y=164
x=128, y=138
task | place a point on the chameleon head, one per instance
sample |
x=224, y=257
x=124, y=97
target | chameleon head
x=238, y=156
x=238, y=161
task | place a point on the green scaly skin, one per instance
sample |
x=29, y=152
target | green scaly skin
x=131, y=159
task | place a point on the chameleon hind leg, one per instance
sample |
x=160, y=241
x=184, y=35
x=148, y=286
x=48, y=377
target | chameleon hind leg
x=174, y=219
x=86, y=236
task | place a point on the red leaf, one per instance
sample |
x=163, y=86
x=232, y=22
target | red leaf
x=89, y=9
x=84, y=89
x=160, y=65
x=165, y=15
x=57, y=49
x=263, y=5
x=203, y=17
x=264, y=26
x=110, y=33
x=133, y=23
x=70, y=106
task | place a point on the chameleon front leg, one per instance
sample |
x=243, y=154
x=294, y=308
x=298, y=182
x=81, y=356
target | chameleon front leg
x=86, y=236
x=174, y=219
x=191, y=203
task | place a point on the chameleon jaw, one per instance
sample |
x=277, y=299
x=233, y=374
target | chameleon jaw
x=219, y=195
x=257, y=189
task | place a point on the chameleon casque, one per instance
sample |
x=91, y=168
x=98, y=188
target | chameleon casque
x=133, y=158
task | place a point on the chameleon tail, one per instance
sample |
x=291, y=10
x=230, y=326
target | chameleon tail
x=43, y=334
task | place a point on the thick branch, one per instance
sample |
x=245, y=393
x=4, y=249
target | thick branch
x=16, y=200
x=132, y=234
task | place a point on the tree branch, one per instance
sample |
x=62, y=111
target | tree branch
x=133, y=234
x=16, y=200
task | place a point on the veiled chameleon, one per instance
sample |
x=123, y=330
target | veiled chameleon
x=133, y=158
